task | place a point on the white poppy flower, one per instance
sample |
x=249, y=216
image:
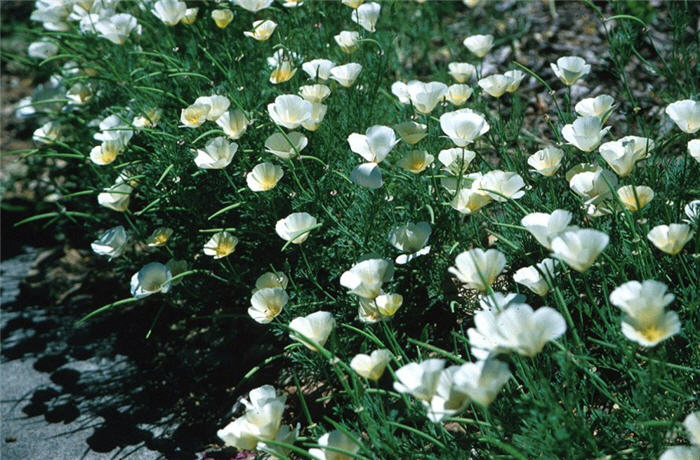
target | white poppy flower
x=685, y=114
x=195, y=115
x=461, y=71
x=599, y=106
x=426, y=96
x=105, y=153
x=569, y=69
x=681, y=453
x=694, y=149
x=416, y=161
x=318, y=68
x=346, y=74
x=585, y=133
x=502, y=185
x=456, y=160
x=316, y=327
x=367, y=175
x=318, y=113
x=479, y=45
x=222, y=17
x=218, y=105
x=477, y=268
x=366, y=15
x=536, y=278
x=384, y=306
x=296, y=227
x=335, y=439
x=220, y=245
x=286, y=147
x=635, y=197
x=400, y=90
x=169, y=11
x=495, y=85
x=463, y=126
x=190, y=16
x=111, y=243
x=365, y=279
x=253, y=5
x=371, y=366
x=159, y=237
x=622, y=155
x=354, y=4
x=262, y=30
x=546, y=161
x=348, y=41
x=692, y=424
x=469, y=201
x=48, y=133
x=42, y=49
x=448, y=400
x=419, y=379
x=481, y=381
x=271, y=280
x=375, y=144
x=284, y=71
x=267, y=303
x=315, y=94
x=289, y=111
x=670, y=238
x=594, y=186
x=234, y=123
x=217, y=154
x=151, y=279
x=410, y=239
x=411, y=132
x=117, y=28
x=264, y=177
x=148, y=119
x=545, y=227
x=114, y=128
x=692, y=211
x=116, y=197
x=579, y=248
x=458, y=94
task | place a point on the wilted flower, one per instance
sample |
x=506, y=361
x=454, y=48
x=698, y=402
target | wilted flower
x=318, y=113
x=479, y=45
x=318, y=68
x=569, y=69
x=42, y=49
x=217, y=154
x=262, y=30
x=585, y=133
x=316, y=327
x=348, y=41
x=366, y=15
x=151, y=279
x=411, y=239
x=289, y=111
x=315, y=94
x=411, y=132
x=346, y=74
x=264, y=177
x=670, y=238
x=335, y=439
x=477, y=268
x=111, y=243
x=234, y=123
x=495, y=85
x=116, y=197
x=169, y=11
x=222, y=17
x=694, y=149
x=117, y=28
x=579, y=248
x=502, y=185
x=425, y=96
x=635, y=197
x=415, y=161
x=546, y=161
x=545, y=227
x=646, y=321
x=461, y=71
x=456, y=160
x=371, y=366
x=599, y=106
x=375, y=144
x=286, y=146
x=159, y=237
x=296, y=227
x=365, y=279
x=220, y=245
x=419, y=379
x=463, y=126
x=190, y=16
x=253, y=5
x=267, y=303
x=195, y=115
x=481, y=381
x=685, y=114
x=536, y=278
x=458, y=94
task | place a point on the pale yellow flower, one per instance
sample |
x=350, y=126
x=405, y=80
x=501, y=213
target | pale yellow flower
x=262, y=30
x=220, y=245
x=159, y=237
x=546, y=161
x=635, y=197
x=670, y=238
x=371, y=366
x=222, y=17
x=416, y=161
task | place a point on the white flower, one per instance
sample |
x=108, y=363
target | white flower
x=621, y=155
x=267, y=303
x=477, y=268
x=111, y=243
x=315, y=94
x=318, y=68
x=296, y=227
x=411, y=132
x=495, y=85
x=105, y=153
x=425, y=96
x=284, y=71
x=42, y=49
x=318, y=113
x=116, y=197
x=195, y=115
x=458, y=94
x=635, y=197
x=400, y=90
x=502, y=185
x=286, y=146
x=681, y=453
x=113, y=128
x=148, y=119
x=352, y=3
x=456, y=160
x=365, y=278
x=579, y=248
x=692, y=211
x=481, y=381
x=264, y=176
x=222, y=17
x=594, y=186
x=190, y=16
x=218, y=105
x=348, y=41
x=384, y=306
x=262, y=30
x=419, y=379
x=546, y=161
x=117, y=28
x=448, y=400
x=479, y=45
x=367, y=175
x=253, y=5
x=271, y=280
x=463, y=126
x=366, y=15
x=79, y=94
x=346, y=74
x=685, y=114
x=692, y=424
x=290, y=111
x=415, y=161
x=335, y=439
x=169, y=11
x=499, y=301
x=234, y=123
x=461, y=71
x=48, y=133
x=371, y=366
x=411, y=239
x=569, y=69
x=694, y=149
x=469, y=200
x=646, y=321
x=375, y=144
x=217, y=154
x=545, y=227
x=314, y=328
x=151, y=279
x=220, y=245
x=585, y=133
x=159, y=237
x=670, y=238
x=599, y=106
x=536, y=278
x=515, y=77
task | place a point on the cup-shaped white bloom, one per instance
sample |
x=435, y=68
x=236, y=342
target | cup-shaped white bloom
x=411, y=239
x=220, y=245
x=536, y=278
x=415, y=161
x=635, y=197
x=481, y=381
x=217, y=154
x=585, y=133
x=367, y=175
x=289, y=111
x=271, y=280
x=685, y=114
x=419, y=379
x=42, y=49
x=296, y=227
x=458, y=94
x=545, y=227
x=79, y=94
x=348, y=41
x=218, y=105
x=240, y=434
x=169, y=11
x=569, y=69
x=670, y=238
x=546, y=161
x=449, y=399
x=365, y=279
x=516, y=77
x=262, y=30
x=316, y=327
x=117, y=28
x=318, y=113
x=346, y=74
x=461, y=71
x=503, y=185
x=105, y=153
x=253, y=5
x=318, y=68
x=526, y=331
x=111, y=243
x=400, y=90
x=282, y=55
x=113, y=128
x=371, y=366
x=151, y=279
x=694, y=149
x=384, y=306
x=495, y=85
x=646, y=321
x=411, y=132
x=148, y=119
x=681, y=453
x=315, y=94
x=267, y=303
x=190, y=16
x=48, y=133
x=463, y=126
x=594, y=186
x=621, y=155
x=264, y=177
x=286, y=146
x=335, y=439
x=579, y=248
x=479, y=45
x=195, y=115
x=426, y=96
x=116, y=197
x=222, y=17
x=234, y=123
x=477, y=268
x=692, y=424
x=366, y=15
x=456, y=160
x=284, y=71
x=599, y=106
x=469, y=201
x=159, y=237
x=375, y=144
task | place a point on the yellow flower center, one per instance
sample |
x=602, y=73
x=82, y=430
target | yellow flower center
x=225, y=248
x=653, y=334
